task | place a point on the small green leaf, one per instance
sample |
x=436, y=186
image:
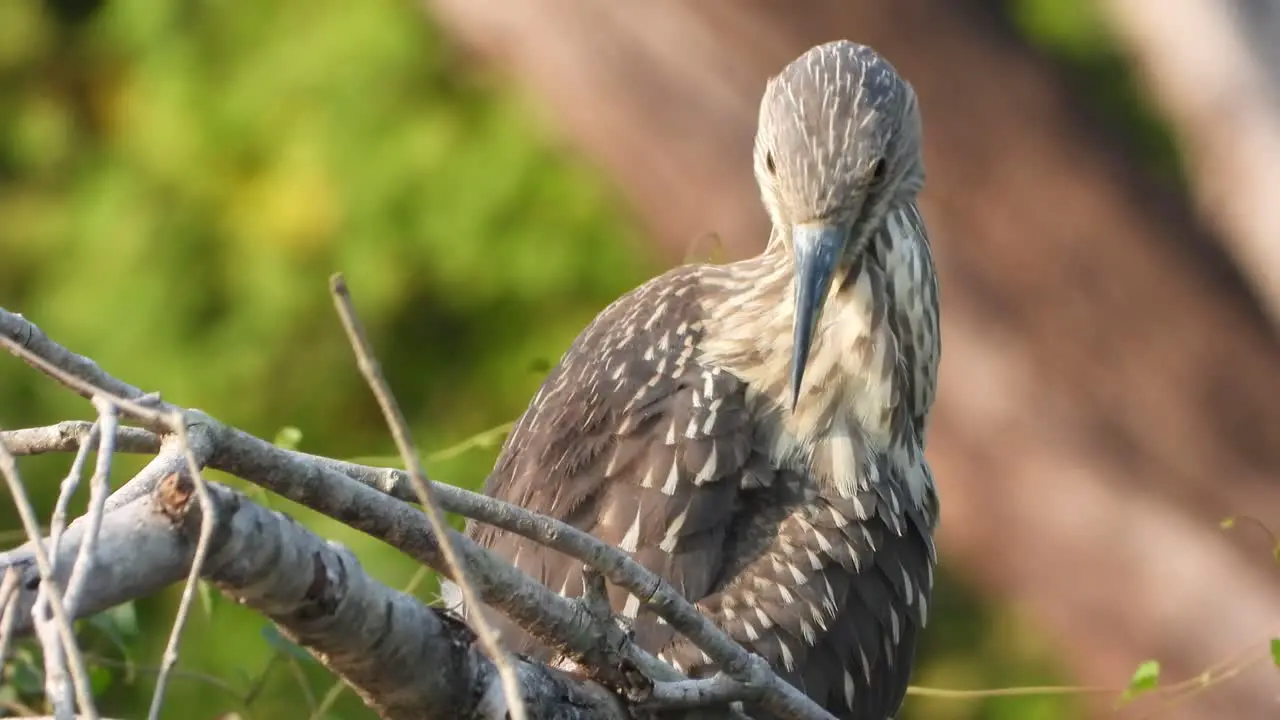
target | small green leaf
x=124, y=618
x=288, y=438
x=1227, y=523
x=1145, y=679
x=1275, y=651
x=120, y=626
x=486, y=439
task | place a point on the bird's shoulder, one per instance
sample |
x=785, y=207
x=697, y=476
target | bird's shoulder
x=628, y=387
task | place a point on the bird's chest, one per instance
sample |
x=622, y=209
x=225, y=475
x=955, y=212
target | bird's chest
x=853, y=377
x=848, y=417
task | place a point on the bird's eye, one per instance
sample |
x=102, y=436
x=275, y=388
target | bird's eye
x=878, y=171
x=768, y=164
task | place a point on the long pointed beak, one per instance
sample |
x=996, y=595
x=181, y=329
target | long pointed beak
x=817, y=252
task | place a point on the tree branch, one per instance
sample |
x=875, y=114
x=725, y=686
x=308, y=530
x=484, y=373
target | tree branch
x=602, y=648
x=70, y=435
x=325, y=485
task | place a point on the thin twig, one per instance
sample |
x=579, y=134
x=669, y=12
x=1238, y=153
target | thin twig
x=99, y=491
x=70, y=484
x=58, y=691
x=90, y=380
x=710, y=692
x=9, y=603
x=369, y=366
x=79, y=673
x=27, y=341
x=199, y=677
x=177, y=422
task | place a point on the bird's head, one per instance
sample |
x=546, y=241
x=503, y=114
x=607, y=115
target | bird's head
x=838, y=142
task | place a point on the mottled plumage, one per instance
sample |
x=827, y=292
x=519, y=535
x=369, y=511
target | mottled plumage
x=754, y=431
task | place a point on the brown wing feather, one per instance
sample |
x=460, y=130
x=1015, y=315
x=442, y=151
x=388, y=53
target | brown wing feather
x=630, y=439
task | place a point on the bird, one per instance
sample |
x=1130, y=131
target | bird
x=753, y=431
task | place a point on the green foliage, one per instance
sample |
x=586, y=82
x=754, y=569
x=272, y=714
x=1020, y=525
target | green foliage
x=177, y=182
x=1075, y=33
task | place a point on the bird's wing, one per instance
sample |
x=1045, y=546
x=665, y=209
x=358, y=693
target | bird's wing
x=836, y=601
x=630, y=439
x=912, y=286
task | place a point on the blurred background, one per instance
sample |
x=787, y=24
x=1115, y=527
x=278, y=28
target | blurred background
x=178, y=179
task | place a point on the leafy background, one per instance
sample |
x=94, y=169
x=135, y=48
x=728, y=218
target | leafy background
x=177, y=181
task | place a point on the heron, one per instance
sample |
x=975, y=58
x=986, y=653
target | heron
x=754, y=431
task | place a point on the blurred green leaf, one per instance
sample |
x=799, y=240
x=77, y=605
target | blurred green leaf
x=120, y=626
x=288, y=437
x=1275, y=651
x=1145, y=679
x=490, y=438
x=24, y=674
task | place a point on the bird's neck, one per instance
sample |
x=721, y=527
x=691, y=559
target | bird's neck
x=849, y=379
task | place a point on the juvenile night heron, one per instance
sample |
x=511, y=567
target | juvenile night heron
x=754, y=431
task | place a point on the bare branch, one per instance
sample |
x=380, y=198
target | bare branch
x=99, y=491
x=712, y=692
x=70, y=484
x=8, y=610
x=209, y=518
x=71, y=435
x=404, y=659
x=79, y=673
x=80, y=374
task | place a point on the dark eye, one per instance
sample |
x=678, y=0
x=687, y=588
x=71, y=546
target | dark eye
x=878, y=171
x=768, y=164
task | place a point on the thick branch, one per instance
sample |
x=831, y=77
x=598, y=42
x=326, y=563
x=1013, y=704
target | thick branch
x=403, y=658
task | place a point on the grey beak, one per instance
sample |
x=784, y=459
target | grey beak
x=817, y=253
